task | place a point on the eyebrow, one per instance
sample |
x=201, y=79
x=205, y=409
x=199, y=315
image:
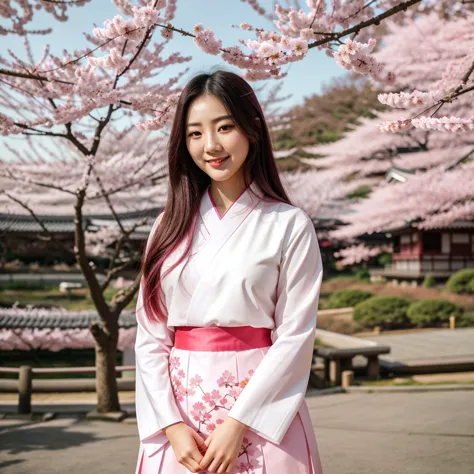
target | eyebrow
x=218, y=119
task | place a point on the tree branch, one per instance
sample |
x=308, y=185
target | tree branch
x=364, y=24
x=23, y=75
x=122, y=298
x=128, y=185
x=459, y=161
x=115, y=271
x=40, y=223
x=98, y=333
x=81, y=258
x=109, y=203
x=123, y=238
x=9, y=175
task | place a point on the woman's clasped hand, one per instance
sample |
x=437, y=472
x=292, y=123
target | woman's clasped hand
x=217, y=454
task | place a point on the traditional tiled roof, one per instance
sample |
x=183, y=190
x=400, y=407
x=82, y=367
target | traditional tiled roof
x=21, y=223
x=60, y=320
x=26, y=223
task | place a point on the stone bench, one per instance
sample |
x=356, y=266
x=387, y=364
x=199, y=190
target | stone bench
x=336, y=360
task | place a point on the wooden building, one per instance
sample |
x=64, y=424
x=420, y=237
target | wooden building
x=444, y=250
x=22, y=237
x=417, y=253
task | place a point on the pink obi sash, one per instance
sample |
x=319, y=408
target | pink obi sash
x=216, y=338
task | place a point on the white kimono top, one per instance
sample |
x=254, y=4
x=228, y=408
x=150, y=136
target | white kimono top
x=259, y=265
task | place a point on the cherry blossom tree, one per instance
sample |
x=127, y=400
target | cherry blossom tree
x=317, y=190
x=83, y=118
x=435, y=188
x=91, y=157
x=56, y=338
x=320, y=27
x=436, y=77
x=19, y=13
x=428, y=200
x=327, y=26
x=358, y=253
x=88, y=100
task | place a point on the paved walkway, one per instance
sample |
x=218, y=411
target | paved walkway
x=409, y=433
x=443, y=345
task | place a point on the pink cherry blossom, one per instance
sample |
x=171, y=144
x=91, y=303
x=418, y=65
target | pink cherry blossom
x=206, y=40
x=54, y=339
x=358, y=253
x=227, y=379
x=211, y=398
x=444, y=124
x=355, y=56
x=394, y=126
x=195, y=381
x=174, y=362
x=146, y=16
x=235, y=392
x=433, y=77
x=405, y=100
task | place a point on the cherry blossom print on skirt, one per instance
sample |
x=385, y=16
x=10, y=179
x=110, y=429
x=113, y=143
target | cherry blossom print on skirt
x=205, y=404
x=206, y=386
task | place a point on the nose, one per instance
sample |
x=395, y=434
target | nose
x=212, y=144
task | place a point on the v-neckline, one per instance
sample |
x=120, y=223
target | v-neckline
x=228, y=209
x=210, y=216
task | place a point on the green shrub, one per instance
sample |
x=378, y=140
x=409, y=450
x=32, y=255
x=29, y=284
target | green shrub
x=384, y=258
x=386, y=311
x=462, y=281
x=429, y=281
x=431, y=312
x=465, y=320
x=363, y=275
x=346, y=298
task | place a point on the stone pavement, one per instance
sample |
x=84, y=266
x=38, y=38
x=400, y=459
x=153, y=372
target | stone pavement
x=406, y=433
x=436, y=345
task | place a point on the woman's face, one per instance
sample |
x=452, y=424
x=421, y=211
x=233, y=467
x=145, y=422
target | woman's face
x=212, y=135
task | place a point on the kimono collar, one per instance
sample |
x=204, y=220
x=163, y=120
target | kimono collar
x=246, y=200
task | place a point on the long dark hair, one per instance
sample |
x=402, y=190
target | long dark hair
x=187, y=181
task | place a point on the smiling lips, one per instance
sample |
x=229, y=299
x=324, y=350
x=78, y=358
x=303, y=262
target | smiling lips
x=218, y=160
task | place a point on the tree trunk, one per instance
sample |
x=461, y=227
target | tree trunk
x=106, y=382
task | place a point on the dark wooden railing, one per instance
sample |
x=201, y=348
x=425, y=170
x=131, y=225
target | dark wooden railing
x=25, y=384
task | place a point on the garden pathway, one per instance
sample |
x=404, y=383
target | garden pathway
x=436, y=347
x=389, y=433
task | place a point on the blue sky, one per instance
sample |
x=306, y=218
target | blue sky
x=304, y=77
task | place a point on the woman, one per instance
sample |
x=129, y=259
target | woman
x=227, y=308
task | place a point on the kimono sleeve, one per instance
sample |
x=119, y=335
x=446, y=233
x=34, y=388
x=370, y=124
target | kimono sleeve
x=272, y=397
x=155, y=403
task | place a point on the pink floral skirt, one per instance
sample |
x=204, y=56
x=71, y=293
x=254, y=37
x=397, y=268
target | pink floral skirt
x=206, y=385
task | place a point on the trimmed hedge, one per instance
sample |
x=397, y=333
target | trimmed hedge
x=363, y=275
x=465, y=321
x=429, y=281
x=386, y=311
x=346, y=298
x=462, y=281
x=432, y=312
